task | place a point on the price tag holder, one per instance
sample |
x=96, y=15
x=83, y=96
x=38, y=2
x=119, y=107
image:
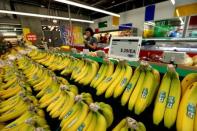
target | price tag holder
x=176, y=57
x=127, y=48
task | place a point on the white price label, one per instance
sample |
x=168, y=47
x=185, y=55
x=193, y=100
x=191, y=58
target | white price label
x=125, y=48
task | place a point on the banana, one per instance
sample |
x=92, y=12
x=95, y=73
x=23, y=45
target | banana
x=136, y=91
x=172, y=102
x=107, y=111
x=76, y=122
x=9, y=83
x=77, y=68
x=93, y=124
x=50, y=92
x=130, y=86
x=125, y=128
x=70, y=102
x=180, y=109
x=156, y=85
x=140, y=127
x=98, y=75
x=189, y=109
x=57, y=102
x=10, y=92
x=145, y=93
x=104, y=85
x=123, y=82
x=195, y=122
x=120, y=125
x=51, y=100
x=101, y=123
x=109, y=92
x=56, y=112
x=72, y=112
x=87, y=122
x=19, y=120
x=14, y=113
x=188, y=80
x=9, y=106
x=83, y=72
x=90, y=73
x=161, y=99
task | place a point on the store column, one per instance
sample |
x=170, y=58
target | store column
x=34, y=24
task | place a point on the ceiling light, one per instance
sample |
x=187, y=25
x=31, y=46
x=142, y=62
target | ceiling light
x=173, y=2
x=87, y=7
x=43, y=16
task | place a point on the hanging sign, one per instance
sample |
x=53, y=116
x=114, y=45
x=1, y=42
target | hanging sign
x=31, y=37
x=127, y=48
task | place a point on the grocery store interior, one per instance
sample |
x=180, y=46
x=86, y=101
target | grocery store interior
x=98, y=65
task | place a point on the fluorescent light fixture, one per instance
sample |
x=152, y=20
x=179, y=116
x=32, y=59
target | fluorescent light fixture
x=43, y=16
x=173, y=2
x=87, y=7
x=9, y=34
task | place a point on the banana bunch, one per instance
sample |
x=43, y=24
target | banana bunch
x=99, y=117
x=90, y=70
x=168, y=99
x=129, y=124
x=187, y=112
x=188, y=80
x=16, y=110
x=106, y=70
x=77, y=113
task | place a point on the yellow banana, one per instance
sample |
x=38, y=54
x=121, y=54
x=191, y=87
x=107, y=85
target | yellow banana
x=136, y=91
x=92, y=126
x=189, y=109
x=130, y=87
x=172, y=102
x=76, y=122
x=120, y=125
x=86, y=123
x=188, y=80
x=145, y=93
x=161, y=99
x=103, y=86
x=123, y=82
x=101, y=123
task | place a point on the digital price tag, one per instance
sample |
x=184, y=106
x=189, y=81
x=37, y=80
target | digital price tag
x=127, y=48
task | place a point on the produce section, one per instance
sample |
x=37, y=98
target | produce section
x=120, y=89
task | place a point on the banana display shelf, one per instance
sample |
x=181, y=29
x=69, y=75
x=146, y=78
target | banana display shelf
x=121, y=112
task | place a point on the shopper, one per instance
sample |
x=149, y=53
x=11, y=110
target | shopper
x=90, y=41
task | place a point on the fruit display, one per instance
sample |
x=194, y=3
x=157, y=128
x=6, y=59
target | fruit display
x=58, y=82
x=19, y=109
x=62, y=101
x=128, y=124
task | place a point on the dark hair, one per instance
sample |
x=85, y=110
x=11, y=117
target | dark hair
x=90, y=30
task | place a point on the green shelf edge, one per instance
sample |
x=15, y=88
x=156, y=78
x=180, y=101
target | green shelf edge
x=160, y=68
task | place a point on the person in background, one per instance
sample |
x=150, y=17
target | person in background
x=44, y=43
x=105, y=38
x=101, y=38
x=110, y=36
x=90, y=41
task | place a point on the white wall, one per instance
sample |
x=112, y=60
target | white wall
x=163, y=10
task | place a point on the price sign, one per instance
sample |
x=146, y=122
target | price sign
x=31, y=37
x=125, y=48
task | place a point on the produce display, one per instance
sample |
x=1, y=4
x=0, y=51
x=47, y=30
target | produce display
x=137, y=88
x=19, y=109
